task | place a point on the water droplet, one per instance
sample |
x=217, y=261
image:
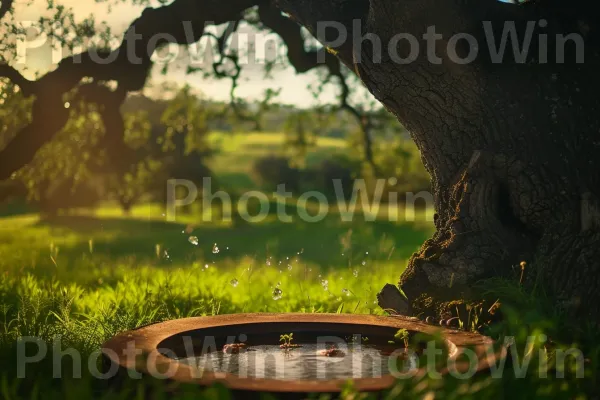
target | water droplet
x=364, y=263
x=234, y=282
x=277, y=294
x=366, y=252
x=205, y=266
x=215, y=249
x=355, y=273
x=194, y=240
x=346, y=292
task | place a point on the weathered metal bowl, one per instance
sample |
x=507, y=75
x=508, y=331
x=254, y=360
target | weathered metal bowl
x=158, y=347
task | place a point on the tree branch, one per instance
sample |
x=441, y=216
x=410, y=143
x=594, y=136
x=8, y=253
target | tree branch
x=5, y=7
x=26, y=86
x=291, y=34
x=129, y=66
x=309, y=13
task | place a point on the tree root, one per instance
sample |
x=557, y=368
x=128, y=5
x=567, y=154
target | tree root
x=478, y=237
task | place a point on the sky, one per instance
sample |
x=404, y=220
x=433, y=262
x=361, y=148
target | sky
x=252, y=83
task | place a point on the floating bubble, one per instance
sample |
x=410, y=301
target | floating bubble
x=234, y=282
x=355, y=273
x=194, y=240
x=290, y=267
x=346, y=292
x=215, y=249
x=277, y=293
x=364, y=263
x=325, y=284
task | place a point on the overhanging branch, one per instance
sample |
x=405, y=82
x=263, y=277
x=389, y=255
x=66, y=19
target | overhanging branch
x=26, y=86
x=129, y=67
x=5, y=7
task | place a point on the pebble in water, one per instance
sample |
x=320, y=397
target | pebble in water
x=194, y=240
x=277, y=293
x=215, y=249
x=234, y=282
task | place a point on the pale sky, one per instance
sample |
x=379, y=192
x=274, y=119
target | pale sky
x=252, y=84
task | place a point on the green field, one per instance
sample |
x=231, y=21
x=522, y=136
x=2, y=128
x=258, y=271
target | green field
x=236, y=153
x=88, y=275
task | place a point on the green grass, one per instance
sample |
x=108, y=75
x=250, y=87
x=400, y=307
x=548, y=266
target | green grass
x=85, y=278
x=89, y=275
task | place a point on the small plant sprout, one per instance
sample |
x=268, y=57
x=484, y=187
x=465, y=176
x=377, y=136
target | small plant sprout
x=401, y=336
x=287, y=342
x=523, y=264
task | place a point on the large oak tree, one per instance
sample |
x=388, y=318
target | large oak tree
x=511, y=146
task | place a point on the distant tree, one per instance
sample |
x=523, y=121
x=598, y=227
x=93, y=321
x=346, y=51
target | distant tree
x=300, y=135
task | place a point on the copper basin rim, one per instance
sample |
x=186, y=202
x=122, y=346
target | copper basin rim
x=148, y=340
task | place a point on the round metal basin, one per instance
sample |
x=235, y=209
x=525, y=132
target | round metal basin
x=165, y=350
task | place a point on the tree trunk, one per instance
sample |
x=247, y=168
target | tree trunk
x=512, y=150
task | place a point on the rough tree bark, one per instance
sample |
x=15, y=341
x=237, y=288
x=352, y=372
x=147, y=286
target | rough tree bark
x=511, y=147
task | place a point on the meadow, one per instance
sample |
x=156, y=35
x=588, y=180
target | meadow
x=88, y=275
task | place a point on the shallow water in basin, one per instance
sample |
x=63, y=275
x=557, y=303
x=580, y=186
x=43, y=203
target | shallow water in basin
x=304, y=363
